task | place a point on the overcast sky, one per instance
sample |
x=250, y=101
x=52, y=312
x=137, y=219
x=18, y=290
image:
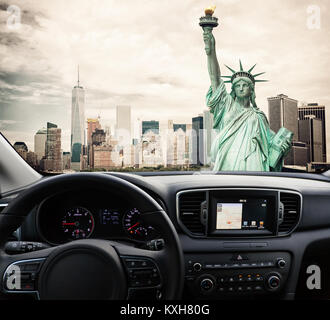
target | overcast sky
x=150, y=55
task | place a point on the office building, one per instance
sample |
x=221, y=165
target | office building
x=208, y=135
x=313, y=109
x=150, y=126
x=123, y=130
x=298, y=155
x=197, y=147
x=92, y=125
x=283, y=112
x=77, y=126
x=21, y=148
x=40, y=143
x=310, y=132
x=53, y=157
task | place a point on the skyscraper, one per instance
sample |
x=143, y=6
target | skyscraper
x=123, y=125
x=92, y=125
x=40, y=143
x=310, y=132
x=77, y=126
x=283, y=112
x=150, y=126
x=319, y=112
x=197, y=141
x=208, y=135
x=53, y=158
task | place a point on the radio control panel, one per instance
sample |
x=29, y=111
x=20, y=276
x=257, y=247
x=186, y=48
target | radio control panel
x=239, y=274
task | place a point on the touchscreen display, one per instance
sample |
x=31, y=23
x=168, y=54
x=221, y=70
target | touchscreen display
x=241, y=214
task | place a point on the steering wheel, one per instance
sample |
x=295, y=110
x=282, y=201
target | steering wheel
x=91, y=268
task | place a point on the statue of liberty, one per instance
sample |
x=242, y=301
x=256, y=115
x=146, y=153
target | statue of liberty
x=244, y=140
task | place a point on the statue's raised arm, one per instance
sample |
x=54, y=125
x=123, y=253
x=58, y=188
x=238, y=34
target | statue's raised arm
x=212, y=61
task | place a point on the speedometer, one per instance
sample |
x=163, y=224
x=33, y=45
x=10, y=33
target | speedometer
x=135, y=227
x=77, y=223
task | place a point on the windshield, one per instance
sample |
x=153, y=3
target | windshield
x=166, y=86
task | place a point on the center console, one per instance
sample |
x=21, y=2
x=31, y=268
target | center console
x=237, y=216
x=239, y=274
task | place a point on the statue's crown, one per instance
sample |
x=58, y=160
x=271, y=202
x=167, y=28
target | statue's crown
x=242, y=73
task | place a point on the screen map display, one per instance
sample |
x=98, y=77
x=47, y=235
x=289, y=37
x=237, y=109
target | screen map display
x=241, y=214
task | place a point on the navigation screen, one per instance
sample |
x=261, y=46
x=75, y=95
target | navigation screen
x=241, y=214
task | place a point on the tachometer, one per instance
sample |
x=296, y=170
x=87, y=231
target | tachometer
x=135, y=227
x=77, y=223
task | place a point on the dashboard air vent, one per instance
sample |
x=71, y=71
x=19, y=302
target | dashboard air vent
x=190, y=211
x=291, y=203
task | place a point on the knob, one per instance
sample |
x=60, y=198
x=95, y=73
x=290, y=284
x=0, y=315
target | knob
x=281, y=263
x=273, y=282
x=197, y=267
x=207, y=284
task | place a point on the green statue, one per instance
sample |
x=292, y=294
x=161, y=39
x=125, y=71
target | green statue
x=244, y=140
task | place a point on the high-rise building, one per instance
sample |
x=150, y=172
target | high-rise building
x=66, y=160
x=208, y=135
x=310, y=132
x=283, y=112
x=298, y=155
x=319, y=112
x=53, y=158
x=177, y=126
x=77, y=126
x=21, y=148
x=123, y=130
x=92, y=124
x=98, y=138
x=40, y=143
x=150, y=126
x=197, y=141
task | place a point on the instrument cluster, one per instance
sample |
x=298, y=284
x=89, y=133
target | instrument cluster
x=60, y=222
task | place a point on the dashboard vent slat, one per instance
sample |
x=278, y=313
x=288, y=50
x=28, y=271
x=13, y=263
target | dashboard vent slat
x=189, y=211
x=292, y=205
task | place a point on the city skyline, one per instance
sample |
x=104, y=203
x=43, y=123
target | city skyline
x=136, y=54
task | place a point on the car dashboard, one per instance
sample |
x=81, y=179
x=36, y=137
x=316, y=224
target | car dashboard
x=244, y=236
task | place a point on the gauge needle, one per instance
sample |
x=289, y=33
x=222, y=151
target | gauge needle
x=68, y=224
x=134, y=226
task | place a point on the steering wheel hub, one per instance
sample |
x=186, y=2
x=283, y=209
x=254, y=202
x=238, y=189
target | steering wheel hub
x=83, y=270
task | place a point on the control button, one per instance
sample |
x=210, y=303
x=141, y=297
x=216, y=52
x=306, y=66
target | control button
x=281, y=263
x=231, y=289
x=259, y=278
x=190, y=279
x=240, y=278
x=274, y=282
x=209, y=266
x=240, y=289
x=253, y=264
x=249, y=278
x=222, y=289
x=207, y=284
x=248, y=288
x=222, y=280
x=239, y=257
x=257, y=288
x=197, y=267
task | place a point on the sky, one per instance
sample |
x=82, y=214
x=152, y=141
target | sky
x=149, y=54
